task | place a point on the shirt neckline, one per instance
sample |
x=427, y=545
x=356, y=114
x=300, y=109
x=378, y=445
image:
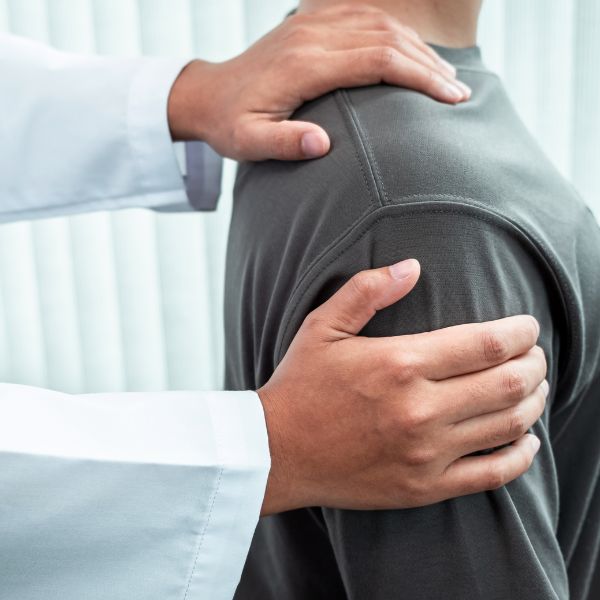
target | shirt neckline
x=469, y=57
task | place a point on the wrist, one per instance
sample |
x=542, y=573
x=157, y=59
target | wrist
x=190, y=105
x=279, y=495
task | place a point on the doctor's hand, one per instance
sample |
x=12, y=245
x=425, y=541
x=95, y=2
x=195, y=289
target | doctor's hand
x=384, y=423
x=241, y=107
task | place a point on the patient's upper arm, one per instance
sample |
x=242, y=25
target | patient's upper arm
x=496, y=545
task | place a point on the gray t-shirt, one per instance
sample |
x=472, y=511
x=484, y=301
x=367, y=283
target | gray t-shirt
x=467, y=191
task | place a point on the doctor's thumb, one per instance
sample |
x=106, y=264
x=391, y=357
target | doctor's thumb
x=357, y=301
x=283, y=140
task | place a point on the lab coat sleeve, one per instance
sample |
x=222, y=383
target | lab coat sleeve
x=85, y=133
x=128, y=496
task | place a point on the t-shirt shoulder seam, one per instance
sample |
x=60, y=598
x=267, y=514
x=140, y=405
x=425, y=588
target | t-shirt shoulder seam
x=362, y=146
x=458, y=205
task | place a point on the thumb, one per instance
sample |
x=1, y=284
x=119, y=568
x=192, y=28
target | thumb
x=355, y=304
x=283, y=140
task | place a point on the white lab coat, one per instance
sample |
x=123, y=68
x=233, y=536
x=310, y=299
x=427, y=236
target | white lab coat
x=112, y=496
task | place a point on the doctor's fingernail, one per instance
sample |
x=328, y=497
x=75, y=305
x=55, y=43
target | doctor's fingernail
x=403, y=269
x=535, y=442
x=451, y=92
x=465, y=88
x=312, y=145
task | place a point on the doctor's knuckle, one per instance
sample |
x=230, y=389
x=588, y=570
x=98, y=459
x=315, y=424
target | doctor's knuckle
x=364, y=285
x=495, y=346
x=392, y=39
x=431, y=79
x=384, y=22
x=383, y=57
x=406, y=369
x=514, y=384
x=413, y=418
x=302, y=33
x=496, y=476
x=516, y=423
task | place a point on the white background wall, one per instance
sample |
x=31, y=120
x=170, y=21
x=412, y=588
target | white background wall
x=132, y=301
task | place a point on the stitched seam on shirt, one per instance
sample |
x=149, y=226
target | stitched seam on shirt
x=493, y=218
x=347, y=113
x=352, y=129
x=203, y=533
x=366, y=228
x=358, y=139
x=367, y=149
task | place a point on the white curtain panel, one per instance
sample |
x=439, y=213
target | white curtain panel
x=133, y=300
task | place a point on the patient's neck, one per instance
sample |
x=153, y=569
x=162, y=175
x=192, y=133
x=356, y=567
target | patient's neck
x=450, y=23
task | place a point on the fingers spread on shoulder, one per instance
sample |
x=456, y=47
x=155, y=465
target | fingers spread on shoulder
x=474, y=474
x=369, y=18
x=369, y=29
x=502, y=427
x=336, y=39
x=475, y=394
x=372, y=65
x=473, y=347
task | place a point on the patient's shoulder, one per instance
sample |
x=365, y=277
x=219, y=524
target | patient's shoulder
x=420, y=147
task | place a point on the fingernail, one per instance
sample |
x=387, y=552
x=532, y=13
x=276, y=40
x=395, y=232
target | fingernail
x=545, y=387
x=535, y=443
x=403, y=269
x=312, y=145
x=452, y=92
x=465, y=88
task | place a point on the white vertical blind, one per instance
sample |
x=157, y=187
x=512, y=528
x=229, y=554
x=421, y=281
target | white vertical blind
x=132, y=300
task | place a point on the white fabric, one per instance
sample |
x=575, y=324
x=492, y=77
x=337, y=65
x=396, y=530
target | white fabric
x=165, y=428
x=176, y=478
x=130, y=496
x=165, y=489
x=103, y=145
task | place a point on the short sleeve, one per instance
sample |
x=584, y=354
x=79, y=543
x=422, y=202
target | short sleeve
x=502, y=544
x=476, y=266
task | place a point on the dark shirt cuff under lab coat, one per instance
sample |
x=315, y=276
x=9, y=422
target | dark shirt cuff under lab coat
x=204, y=168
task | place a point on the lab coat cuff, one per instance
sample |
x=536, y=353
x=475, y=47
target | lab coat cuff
x=148, y=130
x=241, y=437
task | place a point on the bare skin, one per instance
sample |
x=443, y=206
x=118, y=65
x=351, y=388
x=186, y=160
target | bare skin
x=241, y=107
x=450, y=23
x=363, y=423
